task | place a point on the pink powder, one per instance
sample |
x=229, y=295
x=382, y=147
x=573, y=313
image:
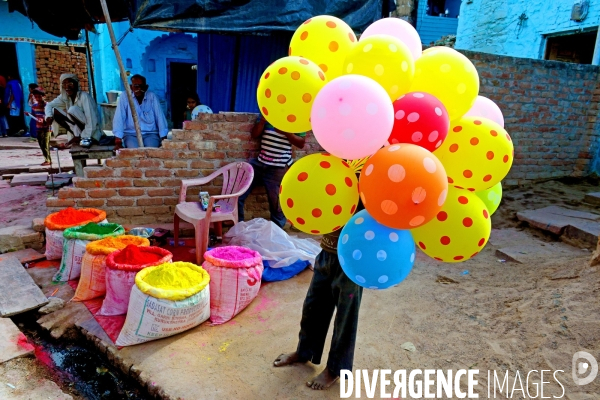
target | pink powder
x=233, y=256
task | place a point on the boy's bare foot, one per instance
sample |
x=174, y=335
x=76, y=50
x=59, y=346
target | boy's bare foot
x=322, y=381
x=287, y=359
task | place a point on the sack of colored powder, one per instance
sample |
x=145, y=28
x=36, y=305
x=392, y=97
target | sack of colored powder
x=75, y=241
x=92, y=281
x=166, y=300
x=57, y=222
x=121, y=267
x=235, y=275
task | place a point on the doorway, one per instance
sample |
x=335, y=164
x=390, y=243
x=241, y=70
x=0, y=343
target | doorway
x=10, y=66
x=181, y=81
x=576, y=48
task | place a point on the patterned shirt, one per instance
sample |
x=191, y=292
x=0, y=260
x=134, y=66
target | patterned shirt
x=275, y=148
x=37, y=110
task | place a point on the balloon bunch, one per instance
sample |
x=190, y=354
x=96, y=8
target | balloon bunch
x=431, y=151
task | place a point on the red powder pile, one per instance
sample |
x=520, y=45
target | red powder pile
x=134, y=255
x=71, y=216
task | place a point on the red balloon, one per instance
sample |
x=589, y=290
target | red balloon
x=421, y=119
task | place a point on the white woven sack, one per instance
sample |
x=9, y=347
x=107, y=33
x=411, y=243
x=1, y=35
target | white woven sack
x=70, y=264
x=54, y=244
x=149, y=318
x=232, y=289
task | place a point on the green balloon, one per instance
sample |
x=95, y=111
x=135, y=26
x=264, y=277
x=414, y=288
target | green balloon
x=491, y=197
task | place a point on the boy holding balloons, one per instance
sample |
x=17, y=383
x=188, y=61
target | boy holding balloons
x=271, y=165
x=330, y=289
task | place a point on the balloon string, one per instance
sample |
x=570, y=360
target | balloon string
x=358, y=164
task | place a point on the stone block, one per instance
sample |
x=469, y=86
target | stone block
x=38, y=225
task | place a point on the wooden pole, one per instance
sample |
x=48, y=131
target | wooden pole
x=91, y=64
x=130, y=97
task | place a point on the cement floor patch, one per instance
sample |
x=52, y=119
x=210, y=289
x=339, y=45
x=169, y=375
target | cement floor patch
x=13, y=343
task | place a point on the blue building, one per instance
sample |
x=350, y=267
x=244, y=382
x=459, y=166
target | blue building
x=437, y=18
x=561, y=30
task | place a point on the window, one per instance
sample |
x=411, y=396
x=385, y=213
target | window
x=443, y=8
x=577, y=48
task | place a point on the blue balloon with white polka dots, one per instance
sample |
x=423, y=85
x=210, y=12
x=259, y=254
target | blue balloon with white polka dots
x=373, y=255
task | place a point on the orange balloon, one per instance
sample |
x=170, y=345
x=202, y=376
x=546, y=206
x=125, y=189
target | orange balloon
x=403, y=186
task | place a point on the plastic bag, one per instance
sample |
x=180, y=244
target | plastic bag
x=75, y=241
x=92, y=281
x=273, y=243
x=120, y=278
x=235, y=276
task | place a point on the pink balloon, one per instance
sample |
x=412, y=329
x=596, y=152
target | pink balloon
x=352, y=117
x=486, y=108
x=399, y=29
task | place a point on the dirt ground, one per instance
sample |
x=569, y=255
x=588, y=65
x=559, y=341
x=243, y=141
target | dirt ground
x=481, y=314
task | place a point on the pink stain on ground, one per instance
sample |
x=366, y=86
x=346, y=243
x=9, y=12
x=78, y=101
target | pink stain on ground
x=264, y=303
x=44, y=357
x=24, y=344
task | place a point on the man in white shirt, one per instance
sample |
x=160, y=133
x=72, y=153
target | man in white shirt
x=150, y=115
x=76, y=111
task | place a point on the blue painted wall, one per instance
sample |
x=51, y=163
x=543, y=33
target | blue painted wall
x=432, y=28
x=137, y=50
x=492, y=26
x=17, y=25
x=229, y=68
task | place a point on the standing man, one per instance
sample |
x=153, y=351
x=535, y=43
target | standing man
x=273, y=161
x=13, y=100
x=76, y=111
x=151, y=117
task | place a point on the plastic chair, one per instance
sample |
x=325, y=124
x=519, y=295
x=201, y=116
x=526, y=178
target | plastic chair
x=237, y=178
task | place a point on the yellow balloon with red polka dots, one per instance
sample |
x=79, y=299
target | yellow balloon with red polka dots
x=459, y=231
x=477, y=153
x=449, y=76
x=319, y=193
x=326, y=40
x=286, y=92
x=384, y=59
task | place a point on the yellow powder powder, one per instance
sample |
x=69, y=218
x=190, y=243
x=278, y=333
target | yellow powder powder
x=171, y=276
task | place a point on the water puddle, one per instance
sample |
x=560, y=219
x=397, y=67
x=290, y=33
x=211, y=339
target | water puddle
x=79, y=365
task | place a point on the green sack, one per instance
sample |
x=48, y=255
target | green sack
x=76, y=239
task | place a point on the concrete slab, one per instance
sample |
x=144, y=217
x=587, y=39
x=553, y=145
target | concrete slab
x=19, y=237
x=61, y=323
x=26, y=255
x=578, y=225
x=13, y=343
x=516, y=245
x=18, y=292
x=36, y=179
x=585, y=231
x=592, y=198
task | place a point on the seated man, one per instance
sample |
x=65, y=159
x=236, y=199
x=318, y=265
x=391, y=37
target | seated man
x=76, y=111
x=152, y=120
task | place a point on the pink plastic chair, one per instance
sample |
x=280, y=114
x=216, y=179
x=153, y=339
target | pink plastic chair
x=237, y=178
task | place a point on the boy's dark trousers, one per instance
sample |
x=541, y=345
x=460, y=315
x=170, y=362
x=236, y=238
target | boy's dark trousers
x=330, y=288
x=43, y=138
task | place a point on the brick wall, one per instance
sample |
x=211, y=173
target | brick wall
x=550, y=109
x=51, y=63
x=141, y=186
